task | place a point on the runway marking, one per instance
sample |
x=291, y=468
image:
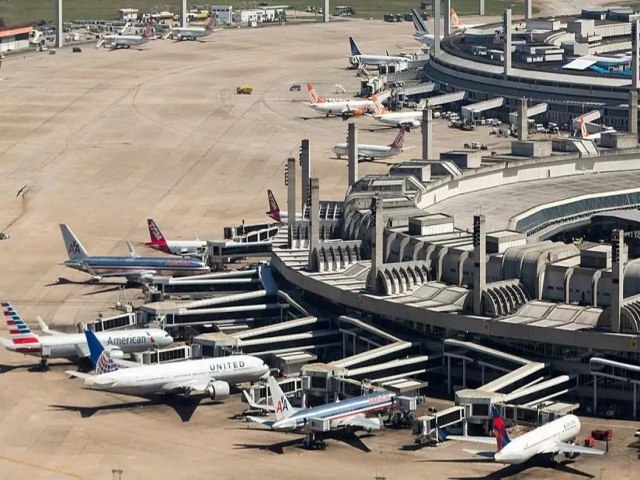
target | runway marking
x=40, y=467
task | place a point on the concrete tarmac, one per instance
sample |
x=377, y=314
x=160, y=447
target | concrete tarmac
x=104, y=140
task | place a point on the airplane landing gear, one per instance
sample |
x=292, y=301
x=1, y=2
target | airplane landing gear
x=44, y=364
x=311, y=441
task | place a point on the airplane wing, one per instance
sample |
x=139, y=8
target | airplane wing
x=196, y=385
x=45, y=328
x=466, y=438
x=258, y=406
x=561, y=447
x=359, y=421
x=480, y=453
x=73, y=373
x=133, y=274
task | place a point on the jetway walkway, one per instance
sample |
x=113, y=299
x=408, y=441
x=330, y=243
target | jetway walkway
x=626, y=375
x=470, y=111
x=532, y=111
x=431, y=102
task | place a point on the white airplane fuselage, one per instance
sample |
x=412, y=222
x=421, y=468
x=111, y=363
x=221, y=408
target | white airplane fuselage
x=412, y=119
x=375, y=59
x=535, y=442
x=162, y=378
x=70, y=345
x=337, y=108
x=190, y=33
x=367, y=151
x=126, y=41
x=183, y=247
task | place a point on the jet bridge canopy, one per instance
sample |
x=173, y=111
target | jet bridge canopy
x=470, y=111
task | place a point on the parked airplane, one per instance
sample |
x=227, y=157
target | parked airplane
x=175, y=247
x=207, y=376
x=407, y=120
x=457, y=23
x=348, y=414
x=275, y=212
x=345, y=108
x=549, y=440
x=357, y=58
x=133, y=267
x=191, y=33
x=126, y=41
x=74, y=345
x=422, y=33
x=371, y=152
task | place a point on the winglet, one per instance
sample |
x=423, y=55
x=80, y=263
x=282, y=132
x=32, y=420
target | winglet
x=132, y=250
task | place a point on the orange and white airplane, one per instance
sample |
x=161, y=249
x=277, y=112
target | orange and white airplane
x=457, y=23
x=344, y=108
x=409, y=119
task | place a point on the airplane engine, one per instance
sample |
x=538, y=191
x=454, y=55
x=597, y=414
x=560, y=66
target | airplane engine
x=115, y=352
x=217, y=390
x=358, y=112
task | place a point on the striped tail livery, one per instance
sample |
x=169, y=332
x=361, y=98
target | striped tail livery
x=22, y=339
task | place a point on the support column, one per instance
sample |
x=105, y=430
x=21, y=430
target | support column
x=523, y=119
x=506, y=28
x=449, y=374
x=325, y=12
x=481, y=8
x=618, y=258
x=427, y=151
x=479, y=262
x=633, y=112
x=635, y=56
x=59, y=32
x=447, y=17
x=314, y=214
x=436, y=27
x=305, y=164
x=464, y=373
x=183, y=13
x=595, y=394
x=290, y=180
x=635, y=400
x=352, y=146
x=527, y=10
x=377, y=244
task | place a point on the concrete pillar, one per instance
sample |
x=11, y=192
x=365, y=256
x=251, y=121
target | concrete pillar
x=427, y=134
x=528, y=15
x=325, y=11
x=352, y=146
x=618, y=258
x=183, y=13
x=305, y=164
x=481, y=7
x=595, y=394
x=635, y=400
x=635, y=60
x=377, y=244
x=314, y=214
x=464, y=373
x=633, y=112
x=436, y=27
x=59, y=32
x=479, y=262
x=523, y=119
x=291, y=200
x=449, y=374
x=506, y=28
x=447, y=17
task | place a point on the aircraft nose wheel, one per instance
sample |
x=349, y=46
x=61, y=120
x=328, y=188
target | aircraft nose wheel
x=44, y=364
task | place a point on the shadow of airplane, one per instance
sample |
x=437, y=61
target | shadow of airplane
x=184, y=407
x=350, y=438
x=66, y=281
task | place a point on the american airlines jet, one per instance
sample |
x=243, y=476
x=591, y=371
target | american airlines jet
x=407, y=120
x=371, y=152
x=358, y=413
x=207, y=376
x=357, y=58
x=345, y=108
x=554, y=438
x=133, y=268
x=74, y=345
x=194, y=247
x=191, y=33
x=126, y=41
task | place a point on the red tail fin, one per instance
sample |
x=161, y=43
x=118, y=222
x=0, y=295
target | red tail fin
x=399, y=140
x=148, y=32
x=210, y=24
x=274, y=209
x=313, y=95
x=154, y=232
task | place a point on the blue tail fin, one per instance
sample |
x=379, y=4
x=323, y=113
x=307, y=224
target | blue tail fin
x=100, y=357
x=354, y=48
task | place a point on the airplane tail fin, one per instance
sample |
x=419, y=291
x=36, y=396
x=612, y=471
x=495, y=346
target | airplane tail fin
x=313, y=95
x=210, y=24
x=75, y=250
x=418, y=23
x=279, y=400
x=499, y=430
x=148, y=31
x=455, y=20
x=399, y=140
x=378, y=108
x=157, y=238
x=274, y=209
x=354, y=48
x=22, y=339
x=100, y=357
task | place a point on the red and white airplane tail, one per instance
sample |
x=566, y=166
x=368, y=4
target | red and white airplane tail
x=399, y=140
x=274, y=209
x=313, y=95
x=377, y=107
x=157, y=239
x=210, y=24
x=149, y=31
x=455, y=20
x=22, y=339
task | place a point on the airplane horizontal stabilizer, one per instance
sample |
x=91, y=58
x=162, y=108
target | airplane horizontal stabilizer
x=262, y=421
x=480, y=453
x=73, y=373
x=258, y=406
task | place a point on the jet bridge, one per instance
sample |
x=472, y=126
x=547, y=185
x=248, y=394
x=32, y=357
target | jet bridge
x=470, y=112
x=532, y=111
x=626, y=375
x=442, y=99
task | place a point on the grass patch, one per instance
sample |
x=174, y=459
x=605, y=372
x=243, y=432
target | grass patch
x=15, y=12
